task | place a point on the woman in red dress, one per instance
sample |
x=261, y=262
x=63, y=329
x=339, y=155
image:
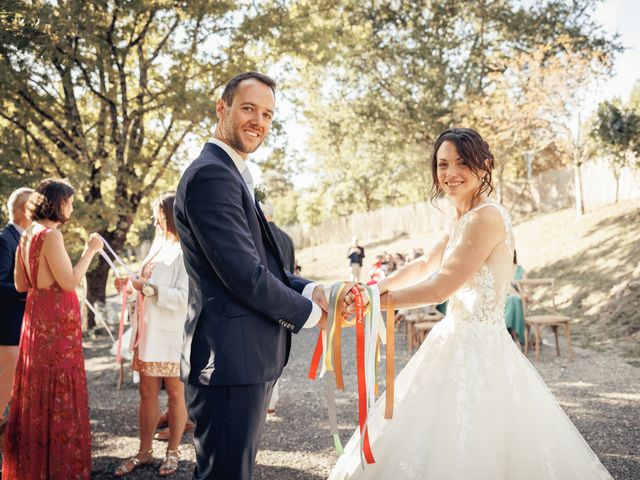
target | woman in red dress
x=48, y=432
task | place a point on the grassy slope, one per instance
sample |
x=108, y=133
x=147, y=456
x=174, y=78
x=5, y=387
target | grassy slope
x=588, y=256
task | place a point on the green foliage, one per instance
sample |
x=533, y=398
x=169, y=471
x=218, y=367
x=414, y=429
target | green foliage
x=527, y=115
x=104, y=93
x=634, y=98
x=618, y=130
x=379, y=80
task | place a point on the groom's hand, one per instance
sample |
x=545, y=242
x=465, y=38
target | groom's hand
x=319, y=298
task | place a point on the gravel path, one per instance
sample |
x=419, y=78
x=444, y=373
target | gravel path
x=600, y=391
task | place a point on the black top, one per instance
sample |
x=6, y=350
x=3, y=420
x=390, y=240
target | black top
x=356, y=254
x=285, y=243
x=12, y=302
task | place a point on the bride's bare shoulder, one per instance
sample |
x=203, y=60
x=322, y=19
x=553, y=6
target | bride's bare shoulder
x=486, y=221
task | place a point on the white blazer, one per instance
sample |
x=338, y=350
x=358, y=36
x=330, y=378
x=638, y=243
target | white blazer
x=163, y=316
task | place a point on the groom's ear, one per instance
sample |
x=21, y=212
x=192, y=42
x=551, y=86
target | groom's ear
x=220, y=109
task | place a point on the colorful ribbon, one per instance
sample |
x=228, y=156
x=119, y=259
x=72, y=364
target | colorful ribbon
x=125, y=288
x=370, y=331
x=99, y=318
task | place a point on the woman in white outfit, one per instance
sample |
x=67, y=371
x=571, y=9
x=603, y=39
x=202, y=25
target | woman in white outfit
x=468, y=405
x=158, y=322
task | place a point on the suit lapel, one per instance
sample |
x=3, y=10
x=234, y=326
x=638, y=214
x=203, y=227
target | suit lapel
x=265, y=230
x=220, y=153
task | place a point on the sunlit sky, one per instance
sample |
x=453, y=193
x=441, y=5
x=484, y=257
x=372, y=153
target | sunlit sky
x=622, y=17
x=616, y=16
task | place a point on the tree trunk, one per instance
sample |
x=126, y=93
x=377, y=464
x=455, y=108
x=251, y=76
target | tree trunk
x=616, y=175
x=96, y=285
x=578, y=187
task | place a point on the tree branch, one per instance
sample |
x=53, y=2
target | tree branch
x=164, y=40
x=36, y=141
x=167, y=159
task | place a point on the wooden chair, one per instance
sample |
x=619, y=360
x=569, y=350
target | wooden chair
x=419, y=323
x=541, y=312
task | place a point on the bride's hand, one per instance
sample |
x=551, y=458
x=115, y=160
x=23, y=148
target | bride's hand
x=349, y=304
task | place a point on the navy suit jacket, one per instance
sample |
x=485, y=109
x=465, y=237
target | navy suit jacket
x=12, y=302
x=243, y=306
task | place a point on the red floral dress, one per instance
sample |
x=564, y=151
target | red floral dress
x=48, y=435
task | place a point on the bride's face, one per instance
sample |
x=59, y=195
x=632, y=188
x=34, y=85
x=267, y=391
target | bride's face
x=456, y=179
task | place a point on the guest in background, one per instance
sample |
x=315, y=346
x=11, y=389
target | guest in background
x=377, y=272
x=413, y=254
x=399, y=260
x=287, y=248
x=158, y=321
x=48, y=433
x=12, y=302
x=388, y=265
x=355, y=256
x=513, y=311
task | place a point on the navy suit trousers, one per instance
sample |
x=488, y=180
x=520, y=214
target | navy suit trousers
x=229, y=422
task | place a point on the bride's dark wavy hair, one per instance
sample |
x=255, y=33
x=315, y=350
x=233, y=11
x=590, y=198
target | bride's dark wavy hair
x=475, y=152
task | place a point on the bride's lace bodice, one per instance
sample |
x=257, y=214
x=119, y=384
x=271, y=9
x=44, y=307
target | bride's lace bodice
x=483, y=297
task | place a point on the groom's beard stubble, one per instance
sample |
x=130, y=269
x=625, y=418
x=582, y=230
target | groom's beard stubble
x=233, y=136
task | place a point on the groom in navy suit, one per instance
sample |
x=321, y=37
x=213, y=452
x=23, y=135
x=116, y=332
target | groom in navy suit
x=243, y=305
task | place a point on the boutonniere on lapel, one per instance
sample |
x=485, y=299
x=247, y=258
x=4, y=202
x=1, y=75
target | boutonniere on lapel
x=260, y=193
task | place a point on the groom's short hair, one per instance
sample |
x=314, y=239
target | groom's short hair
x=232, y=85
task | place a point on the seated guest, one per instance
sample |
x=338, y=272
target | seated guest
x=399, y=260
x=161, y=310
x=377, y=272
x=513, y=312
x=388, y=265
x=11, y=301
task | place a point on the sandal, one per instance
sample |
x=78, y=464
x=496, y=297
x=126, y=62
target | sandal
x=133, y=463
x=169, y=465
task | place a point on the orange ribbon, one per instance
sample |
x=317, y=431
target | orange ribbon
x=332, y=349
x=362, y=384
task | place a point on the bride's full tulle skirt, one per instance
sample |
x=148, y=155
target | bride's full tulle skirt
x=470, y=406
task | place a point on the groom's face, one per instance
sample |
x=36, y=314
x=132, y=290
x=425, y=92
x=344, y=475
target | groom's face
x=245, y=123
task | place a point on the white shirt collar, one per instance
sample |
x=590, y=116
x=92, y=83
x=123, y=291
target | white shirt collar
x=17, y=227
x=239, y=162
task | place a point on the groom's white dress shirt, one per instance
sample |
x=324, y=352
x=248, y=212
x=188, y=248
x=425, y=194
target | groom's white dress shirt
x=241, y=165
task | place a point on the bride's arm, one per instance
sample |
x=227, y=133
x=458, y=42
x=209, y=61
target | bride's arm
x=415, y=271
x=480, y=236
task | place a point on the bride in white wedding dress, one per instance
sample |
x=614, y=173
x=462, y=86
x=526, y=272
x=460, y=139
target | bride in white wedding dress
x=469, y=405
